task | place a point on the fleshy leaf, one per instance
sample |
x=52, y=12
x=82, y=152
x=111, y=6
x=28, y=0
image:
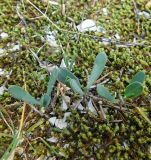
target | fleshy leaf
x=45, y=100
x=104, y=92
x=138, y=77
x=52, y=81
x=20, y=94
x=75, y=86
x=98, y=67
x=64, y=75
x=133, y=90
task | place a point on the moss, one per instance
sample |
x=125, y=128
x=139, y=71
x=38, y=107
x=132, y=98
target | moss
x=86, y=136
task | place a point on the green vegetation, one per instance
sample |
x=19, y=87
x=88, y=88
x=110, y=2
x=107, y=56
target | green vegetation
x=83, y=115
x=20, y=94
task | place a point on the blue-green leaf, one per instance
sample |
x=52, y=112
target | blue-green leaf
x=20, y=94
x=64, y=75
x=138, y=77
x=75, y=86
x=98, y=67
x=45, y=100
x=52, y=80
x=104, y=92
x=133, y=90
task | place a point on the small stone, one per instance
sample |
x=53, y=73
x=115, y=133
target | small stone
x=105, y=11
x=63, y=65
x=52, y=139
x=80, y=107
x=89, y=25
x=66, y=115
x=1, y=71
x=3, y=35
x=91, y=107
x=117, y=36
x=15, y=48
x=145, y=14
x=52, y=120
x=51, y=39
x=64, y=106
x=59, y=123
x=2, y=89
x=2, y=51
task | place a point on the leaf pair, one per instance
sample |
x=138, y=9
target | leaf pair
x=135, y=88
x=68, y=78
x=98, y=67
x=20, y=94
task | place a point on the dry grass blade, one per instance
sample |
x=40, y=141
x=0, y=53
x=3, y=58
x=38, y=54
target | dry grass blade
x=4, y=119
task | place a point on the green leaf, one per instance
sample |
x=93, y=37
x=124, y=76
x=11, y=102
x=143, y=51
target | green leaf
x=75, y=86
x=52, y=81
x=20, y=94
x=98, y=67
x=104, y=92
x=64, y=75
x=45, y=100
x=138, y=77
x=133, y=90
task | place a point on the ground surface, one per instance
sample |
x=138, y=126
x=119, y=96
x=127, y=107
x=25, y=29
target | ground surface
x=127, y=29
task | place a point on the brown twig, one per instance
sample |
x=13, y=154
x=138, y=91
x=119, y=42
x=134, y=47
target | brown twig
x=136, y=13
x=109, y=105
x=102, y=78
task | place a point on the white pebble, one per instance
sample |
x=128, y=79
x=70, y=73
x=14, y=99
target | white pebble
x=4, y=35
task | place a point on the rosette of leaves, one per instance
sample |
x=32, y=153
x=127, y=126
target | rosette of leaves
x=68, y=78
x=20, y=94
x=133, y=90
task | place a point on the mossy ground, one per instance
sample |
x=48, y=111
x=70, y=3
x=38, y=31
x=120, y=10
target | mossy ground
x=86, y=136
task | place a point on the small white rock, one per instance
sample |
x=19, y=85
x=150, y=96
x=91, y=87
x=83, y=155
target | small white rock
x=4, y=35
x=51, y=39
x=117, y=36
x=145, y=14
x=80, y=107
x=64, y=106
x=2, y=51
x=52, y=120
x=66, y=145
x=52, y=139
x=16, y=47
x=105, y=11
x=63, y=65
x=66, y=115
x=67, y=98
x=1, y=71
x=88, y=25
x=59, y=123
x=2, y=89
x=91, y=107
